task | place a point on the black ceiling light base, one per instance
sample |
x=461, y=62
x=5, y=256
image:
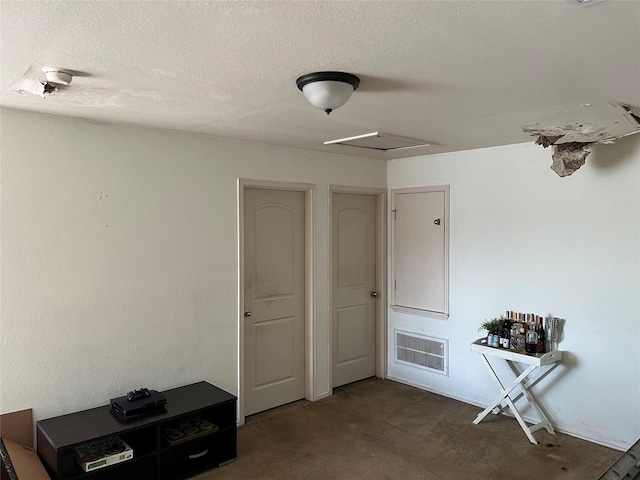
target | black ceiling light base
x=328, y=76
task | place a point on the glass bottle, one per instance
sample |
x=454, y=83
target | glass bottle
x=520, y=337
x=531, y=340
x=506, y=334
x=541, y=337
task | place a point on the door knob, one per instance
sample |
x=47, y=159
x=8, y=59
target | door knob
x=247, y=313
x=437, y=221
x=374, y=293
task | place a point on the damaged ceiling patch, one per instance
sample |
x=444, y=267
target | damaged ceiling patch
x=578, y=130
x=569, y=157
x=31, y=85
x=55, y=76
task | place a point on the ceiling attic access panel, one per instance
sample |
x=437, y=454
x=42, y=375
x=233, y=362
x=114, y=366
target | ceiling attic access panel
x=393, y=146
x=420, y=251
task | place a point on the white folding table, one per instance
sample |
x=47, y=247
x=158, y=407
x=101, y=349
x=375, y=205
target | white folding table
x=524, y=380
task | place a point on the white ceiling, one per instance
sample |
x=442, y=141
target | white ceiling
x=459, y=74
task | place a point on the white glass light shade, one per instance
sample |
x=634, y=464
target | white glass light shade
x=327, y=94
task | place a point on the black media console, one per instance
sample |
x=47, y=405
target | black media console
x=196, y=433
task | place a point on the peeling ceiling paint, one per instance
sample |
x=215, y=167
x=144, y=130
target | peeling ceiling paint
x=595, y=123
x=572, y=140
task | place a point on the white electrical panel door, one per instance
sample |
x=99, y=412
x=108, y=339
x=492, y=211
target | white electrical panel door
x=420, y=263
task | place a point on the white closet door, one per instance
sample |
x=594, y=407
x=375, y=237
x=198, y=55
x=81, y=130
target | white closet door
x=274, y=298
x=354, y=278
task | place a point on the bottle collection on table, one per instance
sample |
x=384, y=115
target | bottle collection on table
x=525, y=332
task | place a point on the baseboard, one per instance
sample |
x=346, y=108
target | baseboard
x=324, y=395
x=475, y=403
x=436, y=391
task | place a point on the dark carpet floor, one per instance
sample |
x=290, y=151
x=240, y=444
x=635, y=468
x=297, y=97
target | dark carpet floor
x=379, y=429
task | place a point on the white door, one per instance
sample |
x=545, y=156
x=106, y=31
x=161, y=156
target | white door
x=354, y=280
x=273, y=298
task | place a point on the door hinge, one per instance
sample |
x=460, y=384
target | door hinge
x=395, y=284
x=394, y=213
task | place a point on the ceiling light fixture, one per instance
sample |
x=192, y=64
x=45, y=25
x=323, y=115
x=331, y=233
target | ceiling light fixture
x=328, y=90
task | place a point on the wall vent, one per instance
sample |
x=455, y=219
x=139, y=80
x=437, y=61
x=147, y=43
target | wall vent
x=421, y=351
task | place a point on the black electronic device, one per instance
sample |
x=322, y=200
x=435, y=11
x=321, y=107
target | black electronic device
x=137, y=404
x=136, y=394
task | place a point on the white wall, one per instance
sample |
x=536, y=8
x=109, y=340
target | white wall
x=119, y=256
x=524, y=239
x=118, y=264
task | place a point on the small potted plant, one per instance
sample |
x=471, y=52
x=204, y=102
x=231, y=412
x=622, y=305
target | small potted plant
x=491, y=325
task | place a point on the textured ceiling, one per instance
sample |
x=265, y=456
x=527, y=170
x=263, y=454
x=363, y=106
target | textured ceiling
x=456, y=74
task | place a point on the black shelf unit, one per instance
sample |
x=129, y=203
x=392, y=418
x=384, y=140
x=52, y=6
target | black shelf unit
x=154, y=457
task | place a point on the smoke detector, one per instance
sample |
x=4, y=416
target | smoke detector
x=586, y=3
x=58, y=76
